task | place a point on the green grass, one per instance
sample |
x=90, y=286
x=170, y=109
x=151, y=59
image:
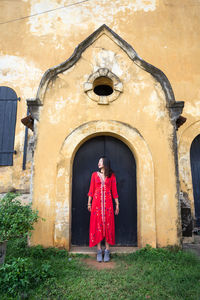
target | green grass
x=147, y=274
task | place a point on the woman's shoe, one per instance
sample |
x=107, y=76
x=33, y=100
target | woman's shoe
x=99, y=255
x=106, y=255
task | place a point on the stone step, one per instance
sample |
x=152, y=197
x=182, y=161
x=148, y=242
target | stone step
x=92, y=251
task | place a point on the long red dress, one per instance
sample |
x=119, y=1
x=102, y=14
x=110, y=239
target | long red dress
x=102, y=224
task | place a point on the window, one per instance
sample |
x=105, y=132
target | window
x=8, y=111
x=103, y=86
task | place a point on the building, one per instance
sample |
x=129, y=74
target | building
x=102, y=98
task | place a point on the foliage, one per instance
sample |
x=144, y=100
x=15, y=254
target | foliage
x=16, y=220
x=27, y=267
x=19, y=248
x=21, y=274
x=146, y=274
x=38, y=273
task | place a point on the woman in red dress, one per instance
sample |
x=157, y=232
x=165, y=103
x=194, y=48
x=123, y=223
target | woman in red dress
x=100, y=205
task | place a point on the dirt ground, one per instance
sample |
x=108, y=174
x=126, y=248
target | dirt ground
x=91, y=262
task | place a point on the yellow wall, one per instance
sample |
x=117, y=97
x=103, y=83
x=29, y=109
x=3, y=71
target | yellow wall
x=140, y=108
x=163, y=32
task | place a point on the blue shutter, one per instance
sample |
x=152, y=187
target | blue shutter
x=8, y=111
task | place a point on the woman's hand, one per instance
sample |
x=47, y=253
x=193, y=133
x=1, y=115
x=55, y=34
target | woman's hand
x=117, y=209
x=89, y=207
x=89, y=203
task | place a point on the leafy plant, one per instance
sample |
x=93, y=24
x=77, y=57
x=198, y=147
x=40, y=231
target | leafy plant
x=21, y=274
x=146, y=274
x=16, y=220
x=19, y=248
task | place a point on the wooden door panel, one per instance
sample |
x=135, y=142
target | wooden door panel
x=123, y=164
x=85, y=162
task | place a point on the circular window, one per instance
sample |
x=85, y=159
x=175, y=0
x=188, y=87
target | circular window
x=103, y=86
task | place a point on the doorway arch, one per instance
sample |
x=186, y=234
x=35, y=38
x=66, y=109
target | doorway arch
x=146, y=222
x=185, y=173
x=195, y=170
x=124, y=165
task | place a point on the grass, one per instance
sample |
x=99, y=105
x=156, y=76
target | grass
x=147, y=274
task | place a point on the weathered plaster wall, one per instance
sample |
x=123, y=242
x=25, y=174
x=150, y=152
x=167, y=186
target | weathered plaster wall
x=142, y=105
x=185, y=141
x=164, y=32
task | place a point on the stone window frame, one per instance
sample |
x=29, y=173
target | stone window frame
x=89, y=86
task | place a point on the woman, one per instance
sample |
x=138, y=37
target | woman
x=100, y=205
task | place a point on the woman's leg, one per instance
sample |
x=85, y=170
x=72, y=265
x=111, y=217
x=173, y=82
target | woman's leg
x=99, y=246
x=99, y=252
x=107, y=245
x=107, y=252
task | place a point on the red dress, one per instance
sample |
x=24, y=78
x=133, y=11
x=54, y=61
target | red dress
x=102, y=223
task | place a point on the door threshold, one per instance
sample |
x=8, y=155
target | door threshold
x=113, y=249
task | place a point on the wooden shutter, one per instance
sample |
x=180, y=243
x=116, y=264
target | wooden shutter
x=8, y=111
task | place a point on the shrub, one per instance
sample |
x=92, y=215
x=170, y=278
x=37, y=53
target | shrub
x=16, y=220
x=21, y=274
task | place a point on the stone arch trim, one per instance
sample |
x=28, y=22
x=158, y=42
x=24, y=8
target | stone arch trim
x=175, y=107
x=103, y=72
x=145, y=179
x=184, y=145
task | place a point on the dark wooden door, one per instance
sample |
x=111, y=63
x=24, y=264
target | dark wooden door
x=195, y=168
x=123, y=164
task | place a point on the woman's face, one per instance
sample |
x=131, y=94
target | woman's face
x=100, y=163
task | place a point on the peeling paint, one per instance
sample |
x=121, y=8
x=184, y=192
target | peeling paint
x=165, y=202
x=154, y=108
x=75, y=18
x=47, y=200
x=112, y=61
x=192, y=109
x=19, y=140
x=54, y=111
x=107, y=59
x=58, y=227
x=61, y=172
x=183, y=168
x=14, y=70
x=138, y=86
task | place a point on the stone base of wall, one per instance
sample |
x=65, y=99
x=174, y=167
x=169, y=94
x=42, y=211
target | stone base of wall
x=188, y=239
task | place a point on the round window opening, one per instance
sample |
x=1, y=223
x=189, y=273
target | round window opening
x=103, y=86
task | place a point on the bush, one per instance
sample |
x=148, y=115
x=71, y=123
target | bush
x=16, y=220
x=21, y=274
x=19, y=248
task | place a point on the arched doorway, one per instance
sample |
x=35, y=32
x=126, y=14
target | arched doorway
x=124, y=166
x=195, y=169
